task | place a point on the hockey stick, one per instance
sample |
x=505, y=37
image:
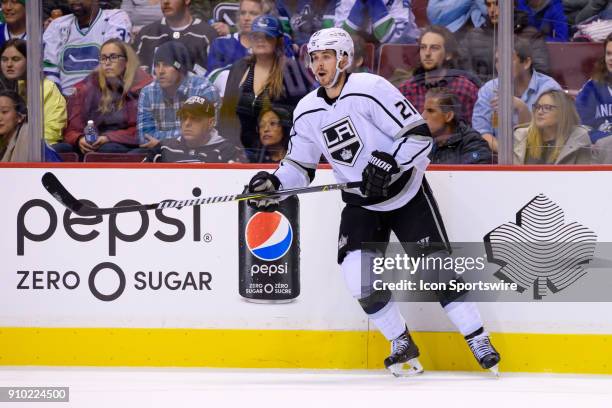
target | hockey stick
x=57, y=190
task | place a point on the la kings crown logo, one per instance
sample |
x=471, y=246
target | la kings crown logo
x=343, y=142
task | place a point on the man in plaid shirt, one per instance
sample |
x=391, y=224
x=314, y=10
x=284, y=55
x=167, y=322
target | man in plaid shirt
x=160, y=100
x=438, y=52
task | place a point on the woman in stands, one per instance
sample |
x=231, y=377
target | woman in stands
x=553, y=136
x=274, y=126
x=14, y=140
x=229, y=48
x=594, y=101
x=109, y=97
x=455, y=141
x=13, y=60
x=257, y=82
x=16, y=145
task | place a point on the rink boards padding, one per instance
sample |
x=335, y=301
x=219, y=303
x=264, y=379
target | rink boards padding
x=444, y=351
x=180, y=304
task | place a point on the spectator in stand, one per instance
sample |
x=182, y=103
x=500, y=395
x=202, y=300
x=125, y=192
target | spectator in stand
x=273, y=126
x=16, y=145
x=547, y=17
x=457, y=16
x=199, y=141
x=578, y=11
x=13, y=61
x=14, y=25
x=528, y=83
x=553, y=136
x=174, y=84
x=360, y=55
x=72, y=43
x=380, y=21
x=477, y=46
x=14, y=140
x=142, y=12
x=257, y=82
x=109, y=97
x=437, y=69
x=179, y=24
x=455, y=141
x=228, y=49
x=53, y=15
x=301, y=18
x=594, y=101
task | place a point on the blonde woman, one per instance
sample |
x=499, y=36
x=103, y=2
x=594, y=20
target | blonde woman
x=109, y=97
x=261, y=80
x=553, y=136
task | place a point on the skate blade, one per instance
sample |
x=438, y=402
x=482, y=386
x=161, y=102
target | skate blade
x=414, y=368
x=495, y=370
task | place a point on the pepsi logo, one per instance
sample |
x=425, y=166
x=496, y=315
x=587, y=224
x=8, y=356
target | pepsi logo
x=268, y=235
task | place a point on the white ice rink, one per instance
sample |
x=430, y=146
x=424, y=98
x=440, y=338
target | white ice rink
x=174, y=388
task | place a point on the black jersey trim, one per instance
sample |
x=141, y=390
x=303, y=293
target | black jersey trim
x=378, y=102
x=420, y=130
x=400, y=145
x=310, y=172
x=307, y=112
x=416, y=155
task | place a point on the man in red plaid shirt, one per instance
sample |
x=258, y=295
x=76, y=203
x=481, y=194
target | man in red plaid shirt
x=438, y=52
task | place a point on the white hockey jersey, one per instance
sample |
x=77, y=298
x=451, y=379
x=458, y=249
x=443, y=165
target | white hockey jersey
x=369, y=114
x=390, y=21
x=71, y=53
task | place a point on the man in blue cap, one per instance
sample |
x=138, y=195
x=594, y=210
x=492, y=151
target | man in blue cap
x=199, y=142
x=160, y=100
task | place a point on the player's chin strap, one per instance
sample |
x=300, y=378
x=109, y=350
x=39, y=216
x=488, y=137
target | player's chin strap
x=337, y=75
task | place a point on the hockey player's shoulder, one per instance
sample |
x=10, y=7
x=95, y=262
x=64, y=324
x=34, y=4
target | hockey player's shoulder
x=365, y=82
x=309, y=103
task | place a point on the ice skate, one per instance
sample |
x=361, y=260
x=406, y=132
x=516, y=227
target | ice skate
x=485, y=353
x=404, y=351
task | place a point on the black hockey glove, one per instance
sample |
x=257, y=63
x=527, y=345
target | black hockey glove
x=264, y=181
x=376, y=176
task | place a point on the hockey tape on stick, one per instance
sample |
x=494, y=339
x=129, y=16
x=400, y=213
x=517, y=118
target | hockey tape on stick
x=61, y=194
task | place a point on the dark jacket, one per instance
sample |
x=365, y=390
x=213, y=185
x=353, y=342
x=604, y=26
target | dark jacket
x=197, y=38
x=119, y=126
x=549, y=19
x=240, y=110
x=217, y=150
x=464, y=147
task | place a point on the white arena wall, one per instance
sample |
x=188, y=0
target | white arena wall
x=187, y=324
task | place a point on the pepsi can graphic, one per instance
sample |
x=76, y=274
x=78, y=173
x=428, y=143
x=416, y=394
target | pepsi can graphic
x=269, y=253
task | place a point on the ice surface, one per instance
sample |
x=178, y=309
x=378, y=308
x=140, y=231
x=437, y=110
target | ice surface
x=247, y=388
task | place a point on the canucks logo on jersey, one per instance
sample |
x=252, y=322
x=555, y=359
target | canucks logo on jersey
x=80, y=58
x=343, y=142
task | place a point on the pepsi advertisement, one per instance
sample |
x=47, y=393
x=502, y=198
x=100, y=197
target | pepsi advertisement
x=269, y=253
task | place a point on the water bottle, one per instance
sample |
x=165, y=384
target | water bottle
x=91, y=134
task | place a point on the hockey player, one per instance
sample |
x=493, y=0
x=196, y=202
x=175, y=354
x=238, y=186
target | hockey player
x=368, y=131
x=72, y=42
